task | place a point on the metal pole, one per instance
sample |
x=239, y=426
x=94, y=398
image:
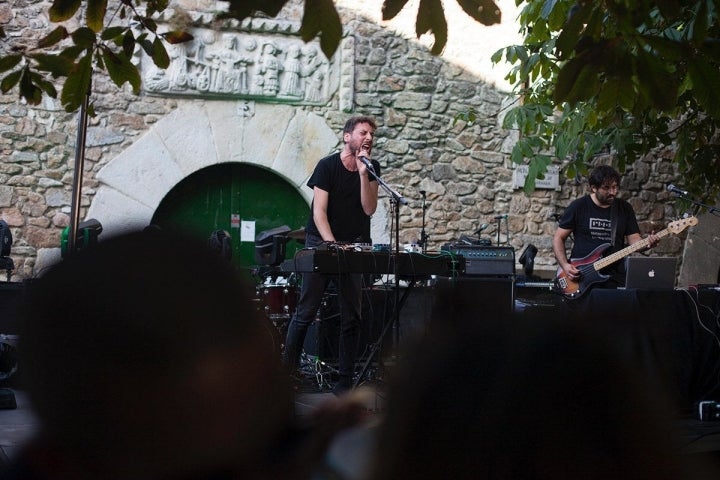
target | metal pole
x=78, y=173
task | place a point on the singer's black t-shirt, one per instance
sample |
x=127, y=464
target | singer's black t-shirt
x=348, y=221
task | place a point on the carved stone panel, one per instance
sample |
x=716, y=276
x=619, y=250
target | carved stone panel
x=262, y=66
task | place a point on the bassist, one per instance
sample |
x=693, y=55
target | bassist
x=596, y=219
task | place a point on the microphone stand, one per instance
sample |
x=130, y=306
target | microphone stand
x=423, y=236
x=499, y=219
x=712, y=210
x=397, y=200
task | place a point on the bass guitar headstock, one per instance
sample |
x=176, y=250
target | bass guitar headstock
x=679, y=225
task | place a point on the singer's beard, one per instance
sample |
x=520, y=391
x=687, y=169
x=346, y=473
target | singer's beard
x=356, y=147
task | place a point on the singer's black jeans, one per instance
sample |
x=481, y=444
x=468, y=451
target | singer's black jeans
x=349, y=291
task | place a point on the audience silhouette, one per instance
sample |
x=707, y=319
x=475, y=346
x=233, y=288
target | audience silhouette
x=145, y=357
x=524, y=398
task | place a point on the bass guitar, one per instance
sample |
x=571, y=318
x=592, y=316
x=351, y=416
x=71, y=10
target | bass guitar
x=591, y=264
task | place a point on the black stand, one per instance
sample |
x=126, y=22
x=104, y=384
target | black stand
x=712, y=210
x=395, y=200
x=78, y=173
x=423, y=235
x=499, y=219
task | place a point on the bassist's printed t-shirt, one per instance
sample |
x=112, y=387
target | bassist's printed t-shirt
x=592, y=227
x=600, y=229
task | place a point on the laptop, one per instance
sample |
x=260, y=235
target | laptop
x=652, y=273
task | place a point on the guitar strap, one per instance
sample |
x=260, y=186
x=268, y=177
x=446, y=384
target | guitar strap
x=613, y=222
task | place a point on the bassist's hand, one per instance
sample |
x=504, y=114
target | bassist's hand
x=572, y=272
x=652, y=239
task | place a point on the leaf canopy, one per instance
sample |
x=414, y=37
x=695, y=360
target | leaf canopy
x=620, y=78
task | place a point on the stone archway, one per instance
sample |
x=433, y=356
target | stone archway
x=198, y=134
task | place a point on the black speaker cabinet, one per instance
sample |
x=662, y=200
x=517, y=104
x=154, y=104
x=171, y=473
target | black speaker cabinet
x=472, y=299
x=323, y=336
x=11, y=295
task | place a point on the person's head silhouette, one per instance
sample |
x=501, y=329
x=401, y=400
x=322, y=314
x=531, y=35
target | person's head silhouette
x=146, y=355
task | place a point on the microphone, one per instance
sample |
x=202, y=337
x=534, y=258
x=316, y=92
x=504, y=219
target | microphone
x=672, y=188
x=367, y=163
x=481, y=228
x=501, y=217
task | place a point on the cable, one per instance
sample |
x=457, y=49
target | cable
x=696, y=304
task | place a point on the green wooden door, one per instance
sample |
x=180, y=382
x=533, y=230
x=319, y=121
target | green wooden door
x=209, y=199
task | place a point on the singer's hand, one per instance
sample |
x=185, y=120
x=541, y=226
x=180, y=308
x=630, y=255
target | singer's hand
x=362, y=166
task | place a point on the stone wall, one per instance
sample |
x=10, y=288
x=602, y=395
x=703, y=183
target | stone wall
x=465, y=170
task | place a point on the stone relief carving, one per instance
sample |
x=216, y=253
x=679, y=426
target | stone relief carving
x=245, y=65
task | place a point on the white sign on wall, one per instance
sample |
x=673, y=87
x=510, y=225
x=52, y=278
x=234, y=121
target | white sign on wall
x=551, y=180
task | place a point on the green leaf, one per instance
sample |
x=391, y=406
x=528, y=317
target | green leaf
x=43, y=84
x=77, y=84
x=391, y=8
x=431, y=18
x=121, y=69
x=147, y=45
x=28, y=90
x=174, y=37
x=516, y=156
x=154, y=6
x=547, y=8
x=567, y=78
x=160, y=56
x=655, y=82
x=10, y=81
x=128, y=43
x=73, y=52
x=616, y=92
x=569, y=37
x=669, y=9
x=95, y=14
x=113, y=32
x=321, y=18
x=670, y=50
x=83, y=37
x=9, y=62
x=160, y=5
x=52, y=38
x=706, y=85
x=698, y=26
x=484, y=11
x=150, y=24
x=62, y=10
x=57, y=65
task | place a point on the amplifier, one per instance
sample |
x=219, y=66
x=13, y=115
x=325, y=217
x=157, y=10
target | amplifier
x=482, y=260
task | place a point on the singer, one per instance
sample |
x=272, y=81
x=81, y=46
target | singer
x=345, y=195
x=597, y=219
